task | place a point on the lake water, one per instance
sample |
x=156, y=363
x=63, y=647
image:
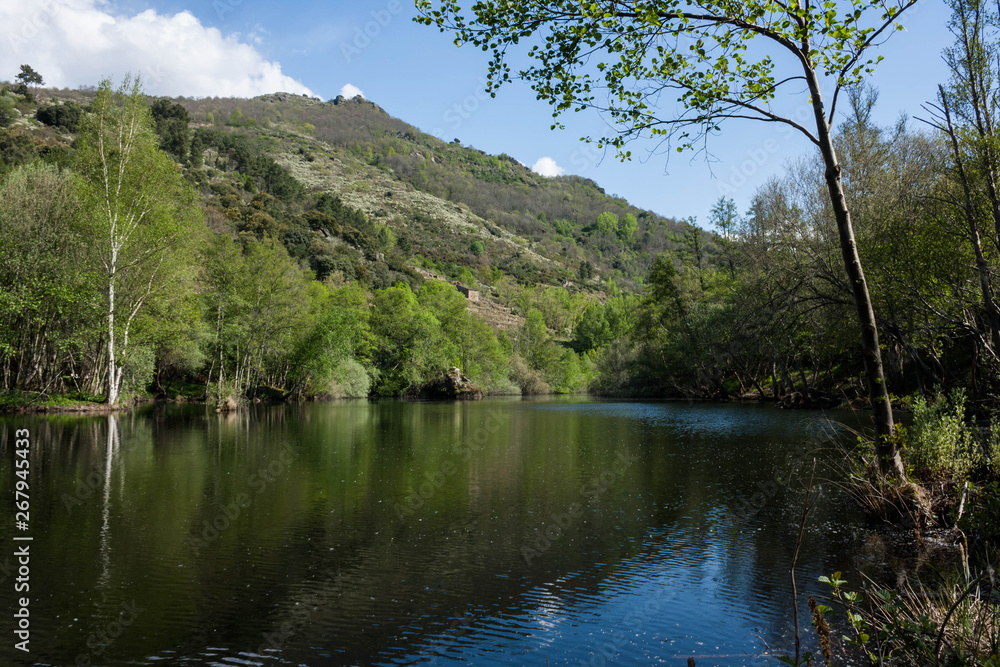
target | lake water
x=571, y=532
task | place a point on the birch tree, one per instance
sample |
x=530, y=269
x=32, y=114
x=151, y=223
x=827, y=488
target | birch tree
x=140, y=214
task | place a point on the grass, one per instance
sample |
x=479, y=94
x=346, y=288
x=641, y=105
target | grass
x=15, y=401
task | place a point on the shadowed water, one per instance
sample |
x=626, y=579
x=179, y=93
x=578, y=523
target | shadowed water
x=498, y=532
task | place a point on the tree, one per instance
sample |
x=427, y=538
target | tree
x=694, y=245
x=966, y=113
x=476, y=349
x=25, y=79
x=410, y=348
x=627, y=227
x=29, y=76
x=171, y=121
x=8, y=114
x=140, y=214
x=607, y=223
x=724, y=217
x=66, y=116
x=46, y=297
x=637, y=51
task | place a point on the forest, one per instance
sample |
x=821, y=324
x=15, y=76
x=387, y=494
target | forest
x=232, y=286
x=243, y=281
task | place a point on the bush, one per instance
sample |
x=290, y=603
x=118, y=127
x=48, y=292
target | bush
x=904, y=626
x=938, y=443
x=66, y=116
x=8, y=114
x=529, y=380
x=350, y=380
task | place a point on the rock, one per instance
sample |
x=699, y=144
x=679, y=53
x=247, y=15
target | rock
x=228, y=404
x=456, y=386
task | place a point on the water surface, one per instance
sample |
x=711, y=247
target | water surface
x=499, y=532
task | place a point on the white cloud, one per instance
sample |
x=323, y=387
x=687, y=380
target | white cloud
x=78, y=42
x=351, y=91
x=547, y=167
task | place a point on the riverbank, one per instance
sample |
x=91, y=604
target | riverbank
x=80, y=403
x=22, y=402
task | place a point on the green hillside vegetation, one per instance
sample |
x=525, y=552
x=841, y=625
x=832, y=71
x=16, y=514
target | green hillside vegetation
x=298, y=282
x=534, y=228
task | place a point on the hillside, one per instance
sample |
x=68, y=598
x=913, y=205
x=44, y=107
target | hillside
x=443, y=198
x=449, y=206
x=439, y=206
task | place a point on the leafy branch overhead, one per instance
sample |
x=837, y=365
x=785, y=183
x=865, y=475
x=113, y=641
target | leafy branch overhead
x=716, y=60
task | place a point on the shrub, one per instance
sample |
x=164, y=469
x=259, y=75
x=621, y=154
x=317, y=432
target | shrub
x=529, y=380
x=938, y=443
x=66, y=116
x=350, y=380
x=8, y=114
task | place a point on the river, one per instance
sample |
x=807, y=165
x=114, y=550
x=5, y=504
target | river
x=559, y=531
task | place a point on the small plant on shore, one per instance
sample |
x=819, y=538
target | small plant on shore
x=954, y=623
x=954, y=620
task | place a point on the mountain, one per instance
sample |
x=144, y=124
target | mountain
x=439, y=206
x=444, y=198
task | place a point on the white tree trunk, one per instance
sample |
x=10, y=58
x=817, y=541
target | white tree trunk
x=113, y=376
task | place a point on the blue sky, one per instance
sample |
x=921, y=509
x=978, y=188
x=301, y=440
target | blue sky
x=246, y=47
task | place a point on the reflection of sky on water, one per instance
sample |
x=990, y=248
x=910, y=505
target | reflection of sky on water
x=662, y=551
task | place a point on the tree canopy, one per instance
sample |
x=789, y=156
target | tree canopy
x=720, y=60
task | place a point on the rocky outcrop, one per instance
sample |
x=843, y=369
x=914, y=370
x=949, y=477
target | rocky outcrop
x=456, y=386
x=227, y=404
